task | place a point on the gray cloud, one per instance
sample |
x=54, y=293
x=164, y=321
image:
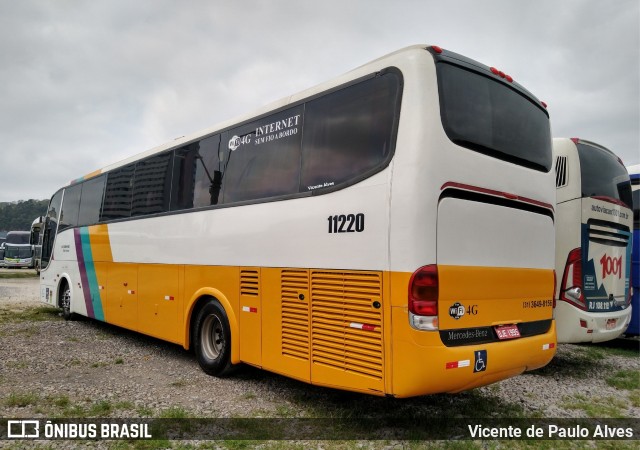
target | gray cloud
x=85, y=84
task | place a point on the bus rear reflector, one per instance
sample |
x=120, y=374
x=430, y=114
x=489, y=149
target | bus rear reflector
x=571, y=287
x=423, y=298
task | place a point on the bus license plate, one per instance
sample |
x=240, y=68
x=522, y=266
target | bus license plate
x=611, y=324
x=507, y=332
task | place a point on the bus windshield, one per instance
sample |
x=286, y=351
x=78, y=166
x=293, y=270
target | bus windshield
x=489, y=117
x=603, y=175
x=11, y=251
x=18, y=237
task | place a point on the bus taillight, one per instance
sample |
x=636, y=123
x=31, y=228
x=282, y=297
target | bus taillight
x=571, y=287
x=423, y=298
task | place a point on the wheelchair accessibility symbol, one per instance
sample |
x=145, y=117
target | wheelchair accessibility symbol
x=481, y=361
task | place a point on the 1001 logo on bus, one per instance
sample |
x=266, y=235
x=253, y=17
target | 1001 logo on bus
x=611, y=266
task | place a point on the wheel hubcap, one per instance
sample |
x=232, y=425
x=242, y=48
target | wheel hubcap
x=212, y=338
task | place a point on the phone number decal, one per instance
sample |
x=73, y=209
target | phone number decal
x=537, y=303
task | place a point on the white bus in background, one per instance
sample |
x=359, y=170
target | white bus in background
x=593, y=242
x=390, y=231
x=17, y=250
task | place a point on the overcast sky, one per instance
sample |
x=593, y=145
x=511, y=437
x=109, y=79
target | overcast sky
x=84, y=84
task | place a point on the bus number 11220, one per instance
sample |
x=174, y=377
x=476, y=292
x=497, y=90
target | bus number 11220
x=349, y=223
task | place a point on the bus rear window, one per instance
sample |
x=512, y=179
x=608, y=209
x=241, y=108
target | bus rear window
x=489, y=117
x=603, y=175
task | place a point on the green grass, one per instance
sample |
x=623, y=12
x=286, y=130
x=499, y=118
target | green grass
x=625, y=379
x=63, y=406
x=175, y=412
x=597, y=407
x=25, y=274
x=22, y=399
x=634, y=398
x=101, y=408
x=33, y=314
x=144, y=411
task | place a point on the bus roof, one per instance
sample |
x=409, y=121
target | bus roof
x=383, y=61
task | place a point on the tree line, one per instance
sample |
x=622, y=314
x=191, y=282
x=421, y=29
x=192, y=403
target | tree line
x=18, y=216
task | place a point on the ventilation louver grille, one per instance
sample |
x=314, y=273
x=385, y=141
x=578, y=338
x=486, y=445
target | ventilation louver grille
x=295, y=314
x=249, y=283
x=346, y=326
x=561, y=171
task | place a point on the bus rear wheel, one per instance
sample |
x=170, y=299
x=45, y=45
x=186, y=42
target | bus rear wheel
x=212, y=339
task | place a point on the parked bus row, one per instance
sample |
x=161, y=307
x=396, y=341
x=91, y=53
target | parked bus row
x=20, y=249
x=16, y=250
x=391, y=231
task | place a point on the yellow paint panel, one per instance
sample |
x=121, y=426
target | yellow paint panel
x=250, y=313
x=420, y=359
x=285, y=322
x=160, y=301
x=95, y=173
x=494, y=295
x=347, y=329
x=122, y=295
x=102, y=276
x=343, y=329
x=100, y=243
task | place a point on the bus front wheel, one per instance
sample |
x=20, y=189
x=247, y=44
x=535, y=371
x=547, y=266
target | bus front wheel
x=212, y=343
x=65, y=302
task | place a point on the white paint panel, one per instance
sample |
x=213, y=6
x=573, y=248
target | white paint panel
x=289, y=233
x=481, y=234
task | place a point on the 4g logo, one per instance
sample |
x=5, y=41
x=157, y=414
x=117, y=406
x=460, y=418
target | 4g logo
x=237, y=141
x=458, y=310
x=611, y=266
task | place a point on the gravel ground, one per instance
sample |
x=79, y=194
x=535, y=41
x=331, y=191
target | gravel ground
x=88, y=362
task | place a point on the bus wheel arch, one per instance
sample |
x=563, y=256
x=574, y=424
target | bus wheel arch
x=212, y=337
x=198, y=301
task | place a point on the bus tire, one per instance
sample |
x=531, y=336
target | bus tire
x=212, y=339
x=65, y=301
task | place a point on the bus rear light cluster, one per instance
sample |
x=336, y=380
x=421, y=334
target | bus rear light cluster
x=423, y=298
x=571, y=287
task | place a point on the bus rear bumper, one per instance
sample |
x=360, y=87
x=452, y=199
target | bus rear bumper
x=576, y=326
x=433, y=368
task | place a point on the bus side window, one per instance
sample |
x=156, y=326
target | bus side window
x=349, y=133
x=117, y=197
x=194, y=174
x=263, y=157
x=152, y=185
x=70, y=207
x=91, y=201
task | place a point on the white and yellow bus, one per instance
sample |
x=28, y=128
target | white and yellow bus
x=593, y=242
x=389, y=232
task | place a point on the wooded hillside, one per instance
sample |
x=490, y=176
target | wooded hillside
x=18, y=216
